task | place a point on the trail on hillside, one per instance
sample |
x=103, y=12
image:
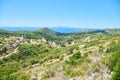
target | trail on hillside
x=100, y=72
x=15, y=50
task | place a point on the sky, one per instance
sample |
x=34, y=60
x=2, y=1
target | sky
x=51, y=13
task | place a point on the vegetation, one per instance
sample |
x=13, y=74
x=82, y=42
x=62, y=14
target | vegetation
x=114, y=59
x=70, y=55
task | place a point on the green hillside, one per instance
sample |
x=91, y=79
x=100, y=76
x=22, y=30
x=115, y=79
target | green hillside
x=48, y=55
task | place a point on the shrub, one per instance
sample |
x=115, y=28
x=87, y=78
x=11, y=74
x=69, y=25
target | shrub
x=33, y=62
x=74, y=59
x=116, y=71
x=48, y=74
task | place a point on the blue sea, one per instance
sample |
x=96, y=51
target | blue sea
x=57, y=29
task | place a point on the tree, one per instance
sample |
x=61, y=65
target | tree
x=4, y=50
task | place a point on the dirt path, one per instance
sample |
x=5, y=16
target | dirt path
x=15, y=50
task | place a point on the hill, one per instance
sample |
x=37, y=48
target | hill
x=113, y=31
x=48, y=55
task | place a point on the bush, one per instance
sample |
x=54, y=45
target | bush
x=34, y=62
x=5, y=59
x=74, y=59
x=76, y=56
x=113, y=59
x=23, y=76
x=116, y=71
x=48, y=74
x=24, y=65
x=20, y=76
x=70, y=72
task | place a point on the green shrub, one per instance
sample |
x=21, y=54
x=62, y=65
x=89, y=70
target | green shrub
x=74, y=59
x=70, y=72
x=48, y=74
x=33, y=61
x=116, y=71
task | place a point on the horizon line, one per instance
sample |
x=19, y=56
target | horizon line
x=59, y=26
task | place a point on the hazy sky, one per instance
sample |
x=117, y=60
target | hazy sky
x=48, y=13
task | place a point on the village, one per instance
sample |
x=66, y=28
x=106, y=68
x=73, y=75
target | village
x=9, y=44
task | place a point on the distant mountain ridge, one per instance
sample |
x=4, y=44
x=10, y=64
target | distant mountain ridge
x=60, y=29
x=56, y=30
